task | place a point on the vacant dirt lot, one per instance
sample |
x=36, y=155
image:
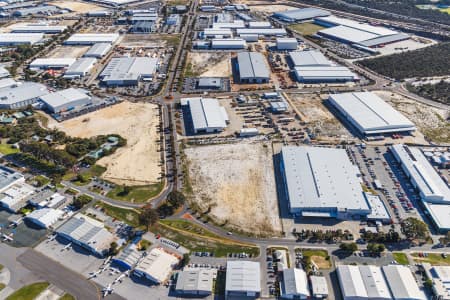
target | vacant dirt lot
x=138, y=162
x=79, y=7
x=68, y=52
x=430, y=121
x=210, y=64
x=236, y=183
x=269, y=9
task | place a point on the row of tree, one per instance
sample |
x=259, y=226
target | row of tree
x=439, y=92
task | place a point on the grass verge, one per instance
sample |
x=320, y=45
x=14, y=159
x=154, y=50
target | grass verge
x=306, y=28
x=318, y=256
x=129, y=216
x=136, y=194
x=401, y=258
x=6, y=149
x=67, y=297
x=434, y=259
x=29, y=292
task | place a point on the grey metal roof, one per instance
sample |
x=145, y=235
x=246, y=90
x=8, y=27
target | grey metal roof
x=319, y=285
x=309, y=58
x=210, y=82
x=206, y=113
x=374, y=282
x=81, y=65
x=92, y=38
x=325, y=73
x=64, y=97
x=20, y=38
x=243, y=276
x=8, y=177
x=351, y=282
x=301, y=14
x=295, y=283
x=21, y=92
x=129, y=68
x=195, y=280
x=402, y=283
x=385, y=39
x=262, y=31
x=129, y=255
x=252, y=65
x=98, y=50
x=36, y=10
x=322, y=178
x=38, y=28
x=369, y=113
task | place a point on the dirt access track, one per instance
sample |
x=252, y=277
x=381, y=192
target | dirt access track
x=137, y=163
x=236, y=183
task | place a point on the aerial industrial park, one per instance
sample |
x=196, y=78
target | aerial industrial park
x=224, y=149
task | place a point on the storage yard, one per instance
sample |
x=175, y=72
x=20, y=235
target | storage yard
x=136, y=122
x=236, y=182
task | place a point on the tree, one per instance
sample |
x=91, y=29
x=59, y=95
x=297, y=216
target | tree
x=148, y=217
x=185, y=260
x=125, y=190
x=375, y=248
x=176, y=199
x=348, y=247
x=415, y=229
x=81, y=201
x=113, y=248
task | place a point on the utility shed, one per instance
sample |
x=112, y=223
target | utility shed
x=402, y=284
x=123, y=71
x=21, y=94
x=370, y=114
x=88, y=233
x=319, y=287
x=302, y=14
x=45, y=217
x=156, y=266
x=195, y=282
x=243, y=279
x=294, y=285
x=252, y=68
x=92, y=38
x=98, y=50
x=322, y=182
x=66, y=100
x=207, y=115
x=15, y=39
x=81, y=67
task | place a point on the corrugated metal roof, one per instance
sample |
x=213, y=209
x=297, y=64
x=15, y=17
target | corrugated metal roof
x=206, y=113
x=376, y=30
x=243, y=276
x=402, y=283
x=129, y=68
x=309, y=58
x=368, y=112
x=64, y=97
x=49, y=62
x=352, y=35
x=295, y=283
x=319, y=285
x=301, y=14
x=157, y=264
x=252, y=65
x=374, y=282
x=98, y=50
x=81, y=65
x=351, y=282
x=93, y=38
x=21, y=92
x=195, y=280
x=262, y=31
x=18, y=38
x=325, y=73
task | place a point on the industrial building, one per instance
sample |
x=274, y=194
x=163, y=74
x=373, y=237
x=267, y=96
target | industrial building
x=122, y=71
x=243, y=279
x=15, y=39
x=353, y=32
x=228, y=44
x=217, y=33
x=264, y=32
x=402, y=283
x=369, y=114
x=195, y=282
x=14, y=197
x=98, y=50
x=210, y=83
x=53, y=201
x=286, y=44
x=378, y=210
x=156, y=266
x=37, y=10
x=259, y=25
x=173, y=20
x=20, y=94
x=322, y=182
x=236, y=24
x=52, y=63
x=128, y=257
x=440, y=275
x=45, y=217
x=65, y=100
x=319, y=287
x=9, y=177
x=38, y=28
x=434, y=192
x=294, y=284
x=80, y=68
x=87, y=233
x=207, y=114
x=92, y=38
x=252, y=67
x=313, y=67
x=301, y=14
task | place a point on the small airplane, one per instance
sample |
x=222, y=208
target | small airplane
x=7, y=238
x=107, y=290
x=67, y=246
x=120, y=278
x=93, y=274
x=51, y=238
x=107, y=260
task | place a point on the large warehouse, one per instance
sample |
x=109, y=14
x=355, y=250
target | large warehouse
x=353, y=32
x=156, y=266
x=434, y=192
x=92, y=38
x=264, y=32
x=207, y=114
x=313, y=67
x=14, y=197
x=243, y=279
x=15, y=39
x=195, y=282
x=228, y=44
x=370, y=114
x=80, y=68
x=38, y=28
x=45, y=217
x=98, y=50
x=52, y=63
x=122, y=71
x=252, y=67
x=322, y=182
x=295, y=284
x=21, y=94
x=66, y=100
x=372, y=282
x=87, y=233
x=301, y=14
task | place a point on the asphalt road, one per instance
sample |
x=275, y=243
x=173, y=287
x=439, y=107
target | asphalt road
x=53, y=272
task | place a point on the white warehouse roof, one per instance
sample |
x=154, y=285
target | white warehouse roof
x=322, y=180
x=370, y=114
x=374, y=282
x=300, y=14
x=38, y=28
x=364, y=27
x=21, y=94
x=195, y=280
x=45, y=217
x=129, y=68
x=351, y=282
x=98, y=50
x=319, y=286
x=262, y=31
x=402, y=283
x=309, y=58
x=295, y=283
x=63, y=98
x=14, y=198
x=206, y=113
x=52, y=63
x=20, y=38
x=252, y=65
x=243, y=276
x=324, y=74
x=81, y=66
x=92, y=38
x=157, y=265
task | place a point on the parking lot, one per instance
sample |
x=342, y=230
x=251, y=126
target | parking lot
x=24, y=235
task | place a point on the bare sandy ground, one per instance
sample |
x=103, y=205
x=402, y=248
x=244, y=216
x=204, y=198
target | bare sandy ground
x=430, y=121
x=138, y=162
x=211, y=64
x=79, y=7
x=271, y=8
x=236, y=182
x=68, y=51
